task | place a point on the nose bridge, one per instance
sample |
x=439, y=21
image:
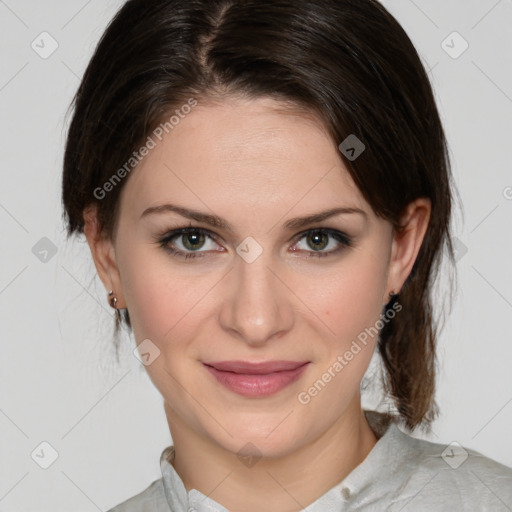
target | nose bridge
x=257, y=308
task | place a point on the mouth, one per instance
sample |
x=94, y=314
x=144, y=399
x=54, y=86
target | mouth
x=256, y=379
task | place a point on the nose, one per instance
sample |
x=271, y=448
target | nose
x=258, y=305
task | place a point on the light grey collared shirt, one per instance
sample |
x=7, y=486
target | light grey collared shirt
x=401, y=473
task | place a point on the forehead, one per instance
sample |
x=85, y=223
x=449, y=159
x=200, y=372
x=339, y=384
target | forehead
x=252, y=155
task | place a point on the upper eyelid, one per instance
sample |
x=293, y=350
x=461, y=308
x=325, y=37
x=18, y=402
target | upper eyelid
x=174, y=233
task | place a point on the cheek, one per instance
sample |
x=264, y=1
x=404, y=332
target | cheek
x=350, y=300
x=350, y=304
x=166, y=302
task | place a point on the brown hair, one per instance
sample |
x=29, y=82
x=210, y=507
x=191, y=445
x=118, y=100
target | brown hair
x=347, y=61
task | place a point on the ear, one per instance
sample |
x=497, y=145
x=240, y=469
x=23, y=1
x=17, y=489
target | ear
x=103, y=253
x=407, y=242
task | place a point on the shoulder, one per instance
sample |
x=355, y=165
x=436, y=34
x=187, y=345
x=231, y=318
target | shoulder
x=451, y=475
x=151, y=499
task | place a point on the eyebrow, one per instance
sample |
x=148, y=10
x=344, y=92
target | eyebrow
x=218, y=222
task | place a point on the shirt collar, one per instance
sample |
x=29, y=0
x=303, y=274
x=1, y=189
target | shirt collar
x=355, y=489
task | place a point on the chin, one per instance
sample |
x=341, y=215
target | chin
x=260, y=438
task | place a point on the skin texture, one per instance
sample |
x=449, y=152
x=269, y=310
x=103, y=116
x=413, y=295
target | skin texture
x=256, y=166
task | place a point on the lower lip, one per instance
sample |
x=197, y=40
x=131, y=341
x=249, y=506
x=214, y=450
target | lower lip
x=257, y=385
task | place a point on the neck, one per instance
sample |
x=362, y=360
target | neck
x=290, y=483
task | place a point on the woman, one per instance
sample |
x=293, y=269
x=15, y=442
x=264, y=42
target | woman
x=266, y=193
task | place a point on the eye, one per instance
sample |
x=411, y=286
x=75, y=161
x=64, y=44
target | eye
x=193, y=242
x=322, y=242
x=186, y=242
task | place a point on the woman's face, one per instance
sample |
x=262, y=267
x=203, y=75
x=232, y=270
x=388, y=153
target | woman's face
x=256, y=284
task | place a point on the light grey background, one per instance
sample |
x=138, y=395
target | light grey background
x=59, y=379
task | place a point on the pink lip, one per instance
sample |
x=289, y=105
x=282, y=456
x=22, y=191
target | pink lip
x=256, y=379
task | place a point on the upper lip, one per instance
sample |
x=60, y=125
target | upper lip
x=260, y=368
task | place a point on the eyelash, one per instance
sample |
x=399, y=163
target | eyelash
x=343, y=239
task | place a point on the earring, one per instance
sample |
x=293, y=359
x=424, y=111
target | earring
x=112, y=299
x=393, y=297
